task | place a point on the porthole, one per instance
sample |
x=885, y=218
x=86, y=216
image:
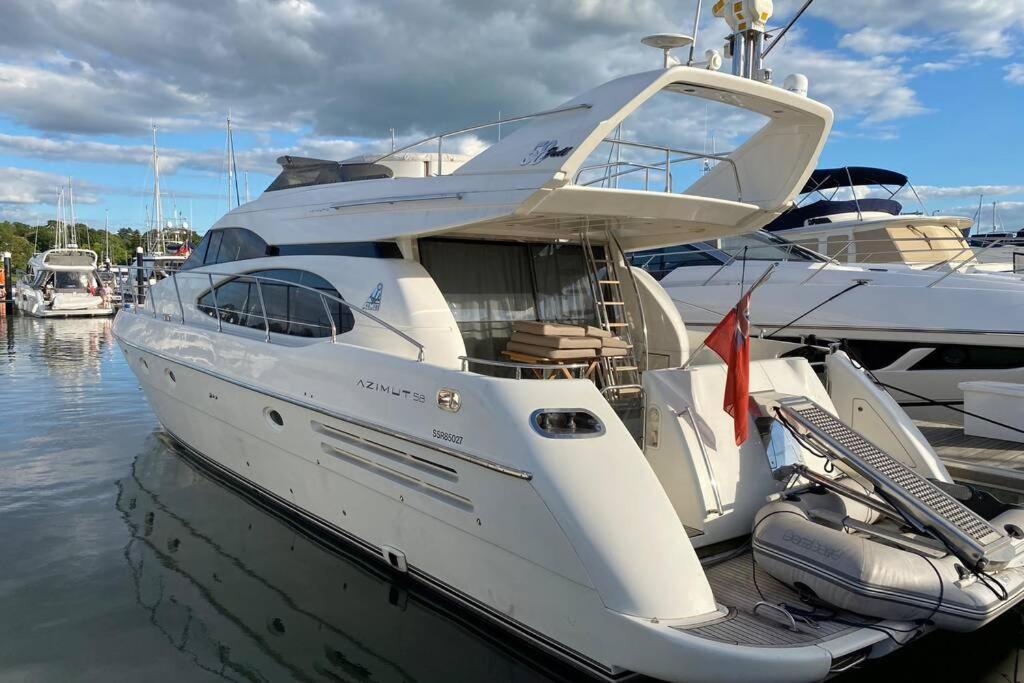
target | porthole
x=273, y=418
x=170, y=376
x=144, y=363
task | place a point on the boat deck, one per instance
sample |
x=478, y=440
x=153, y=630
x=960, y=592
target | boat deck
x=733, y=584
x=976, y=459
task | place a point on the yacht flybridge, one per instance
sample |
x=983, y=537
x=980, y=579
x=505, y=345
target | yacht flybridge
x=456, y=371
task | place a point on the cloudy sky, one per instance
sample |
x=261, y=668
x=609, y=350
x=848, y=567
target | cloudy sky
x=931, y=88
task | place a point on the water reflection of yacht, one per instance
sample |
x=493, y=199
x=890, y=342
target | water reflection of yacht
x=248, y=596
x=375, y=353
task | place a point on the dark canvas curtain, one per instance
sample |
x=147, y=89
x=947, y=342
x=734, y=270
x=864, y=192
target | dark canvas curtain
x=562, y=283
x=490, y=284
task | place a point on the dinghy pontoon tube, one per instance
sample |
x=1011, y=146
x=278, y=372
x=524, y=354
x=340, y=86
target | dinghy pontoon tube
x=880, y=539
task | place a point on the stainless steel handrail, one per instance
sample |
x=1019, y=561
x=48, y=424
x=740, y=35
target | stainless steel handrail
x=209, y=274
x=441, y=136
x=519, y=367
x=689, y=155
x=712, y=479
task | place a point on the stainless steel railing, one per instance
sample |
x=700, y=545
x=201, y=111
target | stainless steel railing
x=131, y=291
x=783, y=253
x=470, y=129
x=572, y=368
x=619, y=168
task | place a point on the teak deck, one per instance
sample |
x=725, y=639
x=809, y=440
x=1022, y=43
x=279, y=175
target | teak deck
x=976, y=459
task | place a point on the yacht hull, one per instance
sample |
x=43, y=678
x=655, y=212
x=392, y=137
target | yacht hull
x=31, y=302
x=487, y=540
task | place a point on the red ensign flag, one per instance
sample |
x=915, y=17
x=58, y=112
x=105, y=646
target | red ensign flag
x=731, y=340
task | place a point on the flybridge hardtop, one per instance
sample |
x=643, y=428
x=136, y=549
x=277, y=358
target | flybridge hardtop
x=66, y=259
x=531, y=184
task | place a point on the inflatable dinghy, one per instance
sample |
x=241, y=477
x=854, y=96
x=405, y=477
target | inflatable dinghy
x=876, y=569
x=876, y=538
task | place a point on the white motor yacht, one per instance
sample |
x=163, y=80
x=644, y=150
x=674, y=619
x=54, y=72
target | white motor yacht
x=62, y=282
x=458, y=374
x=875, y=229
x=920, y=332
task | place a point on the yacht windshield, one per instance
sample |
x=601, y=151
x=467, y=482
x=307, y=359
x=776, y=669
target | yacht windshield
x=76, y=280
x=761, y=246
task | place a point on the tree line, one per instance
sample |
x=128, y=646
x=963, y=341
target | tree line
x=23, y=240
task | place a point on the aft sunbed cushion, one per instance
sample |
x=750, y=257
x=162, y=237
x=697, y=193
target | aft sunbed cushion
x=548, y=329
x=557, y=342
x=554, y=354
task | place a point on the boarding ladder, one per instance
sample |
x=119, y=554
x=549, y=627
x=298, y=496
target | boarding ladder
x=919, y=501
x=619, y=375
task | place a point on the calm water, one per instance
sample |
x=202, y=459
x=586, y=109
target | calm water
x=120, y=561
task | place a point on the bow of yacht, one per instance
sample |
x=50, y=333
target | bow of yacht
x=449, y=364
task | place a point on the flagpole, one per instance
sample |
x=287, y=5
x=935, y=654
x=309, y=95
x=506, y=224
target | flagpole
x=757, y=283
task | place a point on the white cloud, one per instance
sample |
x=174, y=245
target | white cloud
x=24, y=186
x=1009, y=215
x=87, y=100
x=1015, y=74
x=875, y=90
x=937, y=192
x=871, y=41
x=980, y=26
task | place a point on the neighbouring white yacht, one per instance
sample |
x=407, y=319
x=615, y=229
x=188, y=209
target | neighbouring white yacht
x=922, y=331
x=874, y=229
x=62, y=282
x=459, y=374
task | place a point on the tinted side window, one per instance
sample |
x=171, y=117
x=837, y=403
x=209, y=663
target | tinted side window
x=211, y=252
x=289, y=309
x=233, y=299
x=195, y=259
x=239, y=244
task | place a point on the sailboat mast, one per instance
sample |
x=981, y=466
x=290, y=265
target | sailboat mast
x=232, y=167
x=73, y=231
x=227, y=155
x=58, y=224
x=106, y=234
x=158, y=218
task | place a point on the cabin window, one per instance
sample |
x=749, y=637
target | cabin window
x=490, y=284
x=226, y=245
x=290, y=309
x=195, y=259
x=237, y=244
x=211, y=252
